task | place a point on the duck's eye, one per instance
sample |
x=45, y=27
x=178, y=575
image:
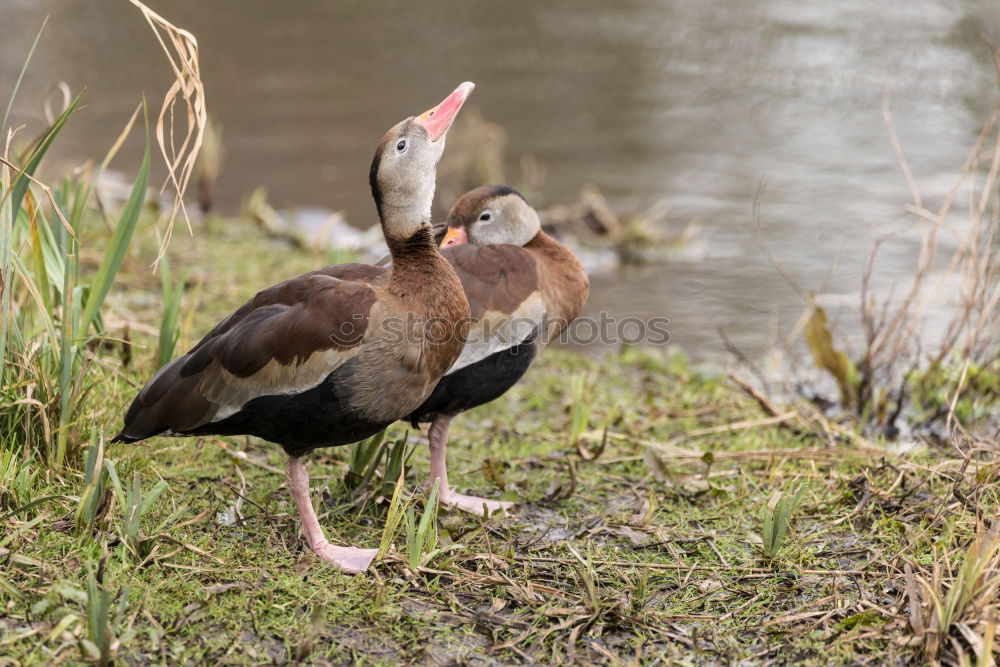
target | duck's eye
x=485, y=217
x=401, y=145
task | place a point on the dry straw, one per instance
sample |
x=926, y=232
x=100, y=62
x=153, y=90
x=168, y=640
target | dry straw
x=976, y=261
x=188, y=91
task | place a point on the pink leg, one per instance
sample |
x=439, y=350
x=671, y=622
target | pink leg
x=347, y=559
x=438, y=436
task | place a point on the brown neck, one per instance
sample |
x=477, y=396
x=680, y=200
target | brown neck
x=414, y=258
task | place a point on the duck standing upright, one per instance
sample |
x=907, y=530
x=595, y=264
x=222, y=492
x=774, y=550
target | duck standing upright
x=524, y=289
x=318, y=360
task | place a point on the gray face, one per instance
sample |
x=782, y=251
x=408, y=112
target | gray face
x=404, y=175
x=506, y=219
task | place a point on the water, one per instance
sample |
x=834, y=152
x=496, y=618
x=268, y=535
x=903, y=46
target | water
x=691, y=102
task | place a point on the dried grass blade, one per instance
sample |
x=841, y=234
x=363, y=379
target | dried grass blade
x=916, y=619
x=181, y=49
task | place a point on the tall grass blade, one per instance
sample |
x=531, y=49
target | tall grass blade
x=363, y=462
x=170, y=319
x=393, y=517
x=102, y=625
x=98, y=621
x=40, y=241
x=95, y=487
x=20, y=186
x=422, y=537
x=137, y=505
x=6, y=265
x=20, y=76
x=115, y=252
x=394, y=466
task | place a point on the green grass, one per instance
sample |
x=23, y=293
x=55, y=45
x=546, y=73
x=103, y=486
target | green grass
x=652, y=550
x=55, y=309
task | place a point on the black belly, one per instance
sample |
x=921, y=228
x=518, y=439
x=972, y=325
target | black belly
x=299, y=422
x=478, y=383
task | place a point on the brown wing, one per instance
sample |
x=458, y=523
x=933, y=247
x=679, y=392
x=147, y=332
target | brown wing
x=295, y=291
x=496, y=278
x=286, y=339
x=563, y=280
x=501, y=284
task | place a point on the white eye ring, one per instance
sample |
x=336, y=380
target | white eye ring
x=401, y=145
x=485, y=216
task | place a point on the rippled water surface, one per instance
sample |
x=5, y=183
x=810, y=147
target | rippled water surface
x=690, y=102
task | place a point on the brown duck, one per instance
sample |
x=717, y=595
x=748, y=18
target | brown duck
x=335, y=355
x=524, y=289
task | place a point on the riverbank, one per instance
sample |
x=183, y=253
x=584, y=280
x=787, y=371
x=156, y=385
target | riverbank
x=649, y=492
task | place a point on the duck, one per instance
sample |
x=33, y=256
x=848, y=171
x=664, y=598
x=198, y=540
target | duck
x=335, y=355
x=524, y=289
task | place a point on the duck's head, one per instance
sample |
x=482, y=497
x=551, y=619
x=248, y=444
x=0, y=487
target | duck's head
x=404, y=169
x=491, y=214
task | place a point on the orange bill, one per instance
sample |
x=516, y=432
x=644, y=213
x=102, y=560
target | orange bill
x=454, y=236
x=438, y=120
